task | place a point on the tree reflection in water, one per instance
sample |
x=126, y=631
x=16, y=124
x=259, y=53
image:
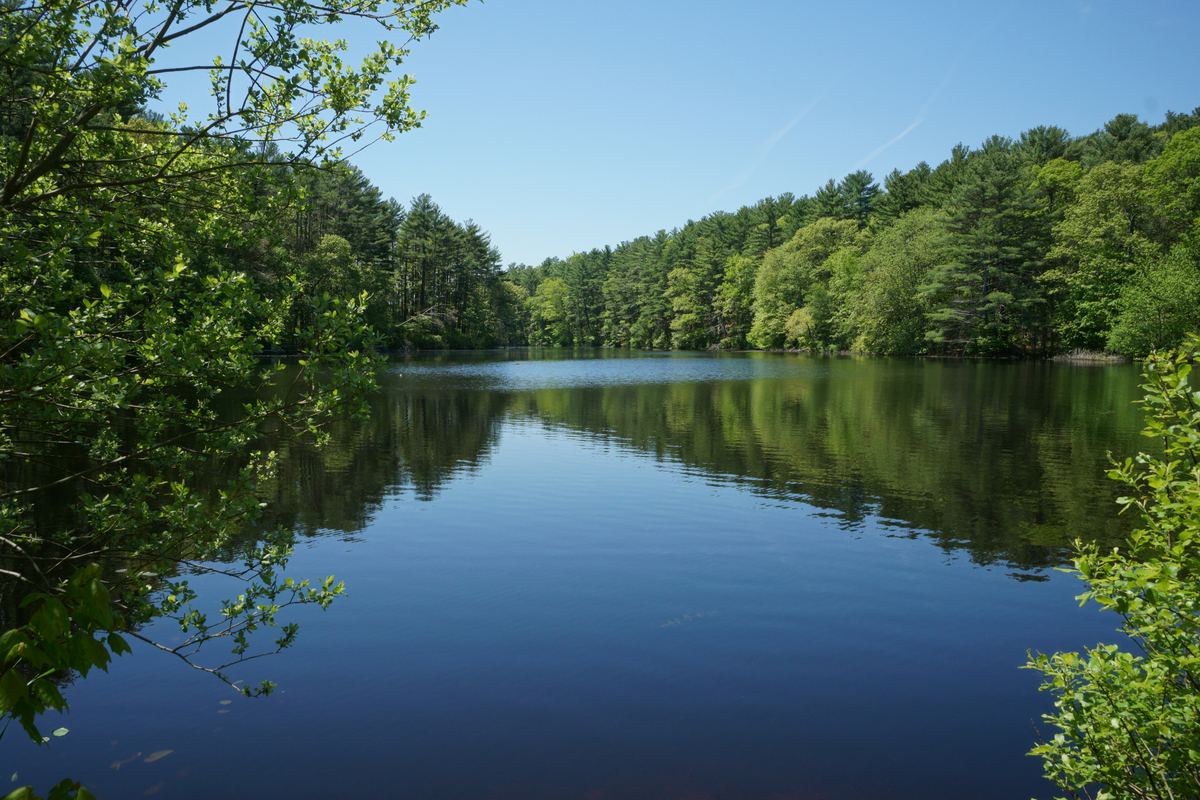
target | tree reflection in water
x=1004, y=462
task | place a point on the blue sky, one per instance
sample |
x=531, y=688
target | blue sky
x=563, y=125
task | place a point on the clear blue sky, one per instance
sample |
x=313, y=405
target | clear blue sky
x=563, y=125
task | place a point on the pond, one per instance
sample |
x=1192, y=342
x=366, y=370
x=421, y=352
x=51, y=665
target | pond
x=603, y=574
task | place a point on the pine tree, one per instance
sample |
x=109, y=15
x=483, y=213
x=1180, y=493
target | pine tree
x=829, y=201
x=1043, y=144
x=859, y=194
x=769, y=222
x=692, y=287
x=1124, y=139
x=584, y=275
x=948, y=175
x=904, y=192
x=986, y=297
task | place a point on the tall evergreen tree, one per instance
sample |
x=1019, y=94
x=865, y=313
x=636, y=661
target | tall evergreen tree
x=584, y=276
x=1178, y=123
x=1041, y=145
x=859, y=194
x=692, y=286
x=769, y=224
x=947, y=176
x=904, y=192
x=829, y=202
x=1124, y=139
x=422, y=241
x=623, y=295
x=986, y=297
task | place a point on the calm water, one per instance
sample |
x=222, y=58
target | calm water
x=608, y=575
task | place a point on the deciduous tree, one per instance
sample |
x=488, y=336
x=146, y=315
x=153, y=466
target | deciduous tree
x=136, y=253
x=1128, y=716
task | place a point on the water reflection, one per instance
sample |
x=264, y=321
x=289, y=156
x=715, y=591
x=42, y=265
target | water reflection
x=1003, y=462
x=417, y=440
x=633, y=585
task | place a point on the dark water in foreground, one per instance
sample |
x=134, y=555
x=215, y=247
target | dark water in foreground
x=651, y=575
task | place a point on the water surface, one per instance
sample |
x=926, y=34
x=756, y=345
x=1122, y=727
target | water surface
x=602, y=574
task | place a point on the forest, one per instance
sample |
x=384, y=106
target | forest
x=1028, y=247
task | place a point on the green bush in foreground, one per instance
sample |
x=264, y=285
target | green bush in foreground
x=1130, y=722
x=143, y=274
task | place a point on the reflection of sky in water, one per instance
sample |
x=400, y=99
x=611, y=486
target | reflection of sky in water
x=529, y=376
x=577, y=621
x=590, y=605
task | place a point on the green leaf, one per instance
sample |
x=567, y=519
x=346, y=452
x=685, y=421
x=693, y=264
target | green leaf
x=11, y=644
x=62, y=790
x=51, y=620
x=118, y=645
x=13, y=688
x=48, y=693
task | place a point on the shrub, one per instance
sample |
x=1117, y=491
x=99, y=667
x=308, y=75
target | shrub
x=1129, y=722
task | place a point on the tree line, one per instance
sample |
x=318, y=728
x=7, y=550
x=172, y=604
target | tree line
x=429, y=282
x=1031, y=246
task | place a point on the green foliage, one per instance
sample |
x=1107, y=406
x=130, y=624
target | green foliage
x=1057, y=183
x=771, y=222
x=638, y=312
x=692, y=287
x=64, y=790
x=1040, y=239
x=96, y=413
x=584, y=276
x=1043, y=144
x=76, y=70
x=1173, y=186
x=1130, y=723
x=904, y=192
x=445, y=288
x=67, y=627
x=1124, y=139
x=945, y=178
x=143, y=274
x=790, y=272
x=548, y=314
x=735, y=299
x=854, y=197
x=831, y=324
x=890, y=310
x=828, y=201
x=511, y=318
x=338, y=201
x=859, y=195
x=1098, y=243
x=985, y=297
x=330, y=268
x=1159, y=305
